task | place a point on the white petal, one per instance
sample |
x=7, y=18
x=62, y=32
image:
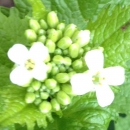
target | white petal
x=18, y=53
x=81, y=83
x=114, y=75
x=84, y=36
x=40, y=71
x=94, y=59
x=105, y=95
x=20, y=76
x=38, y=51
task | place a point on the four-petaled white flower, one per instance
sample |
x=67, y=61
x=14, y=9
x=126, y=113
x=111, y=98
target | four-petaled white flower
x=29, y=63
x=98, y=78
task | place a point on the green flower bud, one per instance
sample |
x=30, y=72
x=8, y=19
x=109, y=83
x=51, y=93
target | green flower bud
x=70, y=69
x=43, y=24
x=49, y=65
x=52, y=19
x=63, y=98
x=37, y=101
x=42, y=39
x=67, y=89
x=65, y=52
x=58, y=59
x=36, y=85
x=55, y=70
x=45, y=107
x=56, y=89
x=58, y=51
x=50, y=83
x=64, y=42
x=55, y=105
x=71, y=73
x=62, y=68
x=77, y=64
x=67, y=61
x=43, y=87
x=74, y=50
x=31, y=35
x=41, y=32
x=86, y=48
x=30, y=89
x=62, y=77
x=44, y=95
x=37, y=94
x=61, y=26
x=81, y=52
x=34, y=25
x=47, y=59
x=29, y=97
x=54, y=35
x=50, y=45
x=69, y=30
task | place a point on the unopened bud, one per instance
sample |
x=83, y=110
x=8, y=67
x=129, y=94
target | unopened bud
x=57, y=59
x=63, y=98
x=61, y=26
x=74, y=50
x=34, y=25
x=64, y=43
x=55, y=70
x=45, y=107
x=52, y=19
x=30, y=97
x=55, y=104
x=62, y=77
x=69, y=30
x=30, y=35
x=41, y=32
x=42, y=39
x=50, y=83
x=58, y=51
x=50, y=45
x=67, y=89
x=36, y=85
x=67, y=61
x=43, y=24
x=44, y=95
x=77, y=64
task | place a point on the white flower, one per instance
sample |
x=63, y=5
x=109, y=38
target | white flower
x=98, y=78
x=29, y=63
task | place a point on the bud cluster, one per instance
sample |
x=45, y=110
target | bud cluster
x=66, y=45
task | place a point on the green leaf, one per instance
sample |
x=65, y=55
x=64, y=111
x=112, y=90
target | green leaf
x=80, y=12
x=11, y=127
x=17, y=111
x=4, y=10
x=24, y=7
x=84, y=114
x=122, y=98
x=107, y=31
x=38, y=9
x=123, y=123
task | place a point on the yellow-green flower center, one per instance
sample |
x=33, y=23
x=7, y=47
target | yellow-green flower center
x=97, y=79
x=29, y=64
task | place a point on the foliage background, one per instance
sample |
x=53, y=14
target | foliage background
x=108, y=22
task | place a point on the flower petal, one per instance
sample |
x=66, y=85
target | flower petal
x=18, y=53
x=81, y=83
x=94, y=59
x=104, y=94
x=40, y=71
x=20, y=76
x=114, y=75
x=38, y=51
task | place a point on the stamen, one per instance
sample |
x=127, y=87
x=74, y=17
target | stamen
x=29, y=64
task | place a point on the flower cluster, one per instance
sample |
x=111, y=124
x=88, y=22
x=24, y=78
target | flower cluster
x=53, y=69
